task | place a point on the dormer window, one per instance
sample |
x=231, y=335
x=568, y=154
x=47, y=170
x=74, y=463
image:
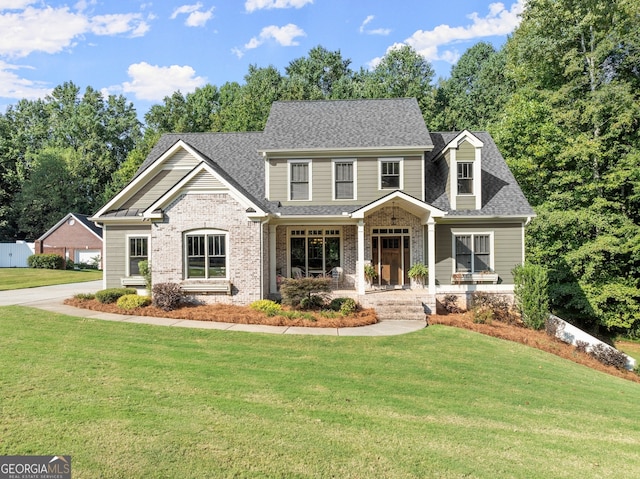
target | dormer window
x=465, y=178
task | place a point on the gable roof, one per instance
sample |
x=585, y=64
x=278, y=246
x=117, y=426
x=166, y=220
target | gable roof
x=346, y=125
x=501, y=194
x=83, y=219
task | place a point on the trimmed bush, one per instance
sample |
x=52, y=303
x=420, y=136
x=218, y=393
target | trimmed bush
x=609, y=356
x=167, y=296
x=348, y=306
x=497, y=305
x=45, y=261
x=111, y=295
x=85, y=296
x=268, y=307
x=450, y=304
x=315, y=301
x=133, y=301
x=532, y=295
x=293, y=291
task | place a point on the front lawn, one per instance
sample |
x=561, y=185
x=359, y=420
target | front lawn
x=18, y=278
x=129, y=400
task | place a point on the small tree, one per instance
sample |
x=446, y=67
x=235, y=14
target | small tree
x=145, y=270
x=532, y=295
x=305, y=293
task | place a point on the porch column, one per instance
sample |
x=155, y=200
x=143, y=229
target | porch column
x=273, y=286
x=360, y=261
x=431, y=252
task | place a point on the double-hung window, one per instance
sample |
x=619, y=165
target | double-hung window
x=206, y=254
x=299, y=180
x=473, y=253
x=465, y=178
x=390, y=174
x=344, y=187
x=138, y=251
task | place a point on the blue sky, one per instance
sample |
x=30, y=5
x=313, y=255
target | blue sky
x=146, y=50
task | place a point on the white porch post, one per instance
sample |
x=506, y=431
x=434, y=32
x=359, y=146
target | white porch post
x=431, y=251
x=360, y=261
x=273, y=286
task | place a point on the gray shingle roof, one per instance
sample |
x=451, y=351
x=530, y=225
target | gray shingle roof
x=342, y=124
x=346, y=124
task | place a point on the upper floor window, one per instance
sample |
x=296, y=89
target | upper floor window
x=206, y=254
x=299, y=180
x=473, y=253
x=465, y=178
x=138, y=251
x=390, y=174
x=344, y=187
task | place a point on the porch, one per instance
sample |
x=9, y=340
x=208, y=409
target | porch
x=393, y=304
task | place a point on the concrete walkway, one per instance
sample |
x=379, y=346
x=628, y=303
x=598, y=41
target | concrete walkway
x=51, y=298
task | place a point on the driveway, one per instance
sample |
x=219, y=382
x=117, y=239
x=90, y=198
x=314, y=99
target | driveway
x=47, y=294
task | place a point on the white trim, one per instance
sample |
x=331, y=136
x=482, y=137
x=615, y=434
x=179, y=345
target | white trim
x=477, y=178
x=471, y=232
x=206, y=232
x=453, y=178
x=64, y=220
x=173, y=193
x=465, y=135
x=424, y=178
x=354, y=163
x=267, y=179
x=399, y=160
x=427, y=209
x=310, y=172
x=127, y=265
x=306, y=228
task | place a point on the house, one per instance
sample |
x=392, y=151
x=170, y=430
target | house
x=326, y=188
x=75, y=238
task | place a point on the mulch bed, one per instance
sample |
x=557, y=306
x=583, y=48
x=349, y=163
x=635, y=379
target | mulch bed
x=226, y=313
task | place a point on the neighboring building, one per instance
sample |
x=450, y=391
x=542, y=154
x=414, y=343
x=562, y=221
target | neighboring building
x=74, y=237
x=326, y=188
x=15, y=255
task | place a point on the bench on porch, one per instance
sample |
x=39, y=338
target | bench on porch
x=216, y=287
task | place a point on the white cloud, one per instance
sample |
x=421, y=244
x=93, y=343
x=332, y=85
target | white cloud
x=12, y=86
x=499, y=21
x=253, y=5
x=153, y=82
x=119, y=23
x=284, y=36
x=51, y=30
x=376, y=31
x=195, y=17
x=15, y=4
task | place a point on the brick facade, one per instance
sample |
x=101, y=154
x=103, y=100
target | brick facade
x=68, y=240
x=218, y=212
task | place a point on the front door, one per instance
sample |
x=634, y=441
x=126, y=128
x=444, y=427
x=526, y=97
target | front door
x=390, y=260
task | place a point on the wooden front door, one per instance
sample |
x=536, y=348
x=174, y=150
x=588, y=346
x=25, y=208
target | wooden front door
x=390, y=260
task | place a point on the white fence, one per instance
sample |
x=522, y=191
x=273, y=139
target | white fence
x=570, y=334
x=14, y=255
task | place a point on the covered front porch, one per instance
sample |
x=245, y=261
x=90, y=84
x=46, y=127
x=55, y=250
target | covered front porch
x=390, y=234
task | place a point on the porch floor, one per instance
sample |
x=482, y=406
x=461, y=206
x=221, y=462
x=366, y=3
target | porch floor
x=393, y=304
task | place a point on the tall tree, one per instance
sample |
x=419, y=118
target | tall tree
x=315, y=76
x=572, y=66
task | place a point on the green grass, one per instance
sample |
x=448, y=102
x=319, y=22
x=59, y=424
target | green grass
x=18, y=278
x=129, y=400
x=632, y=348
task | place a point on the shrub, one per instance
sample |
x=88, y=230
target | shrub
x=268, y=307
x=45, y=261
x=145, y=271
x=111, y=295
x=419, y=273
x=167, y=296
x=483, y=315
x=133, y=301
x=349, y=306
x=450, y=304
x=314, y=301
x=85, y=296
x=295, y=290
x=609, y=356
x=336, y=303
x=532, y=295
x=497, y=304
x=69, y=264
x=582, y=346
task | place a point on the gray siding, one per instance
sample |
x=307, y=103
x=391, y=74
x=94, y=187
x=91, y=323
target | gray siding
x=466, y=152
x=466, y=202
x=507, y=249
x=115, y=248
x=367, y=178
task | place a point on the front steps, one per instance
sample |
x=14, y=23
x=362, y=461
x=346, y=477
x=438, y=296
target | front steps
x=401, y=304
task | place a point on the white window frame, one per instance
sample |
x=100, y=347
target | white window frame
x=492, y=257
x=310, y=171
x=354, y=165
x=128, y=249
x=470, y=167
x=185, y=253
x=400, y=161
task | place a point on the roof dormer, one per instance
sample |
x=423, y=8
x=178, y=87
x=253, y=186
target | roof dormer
x=464, y=157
